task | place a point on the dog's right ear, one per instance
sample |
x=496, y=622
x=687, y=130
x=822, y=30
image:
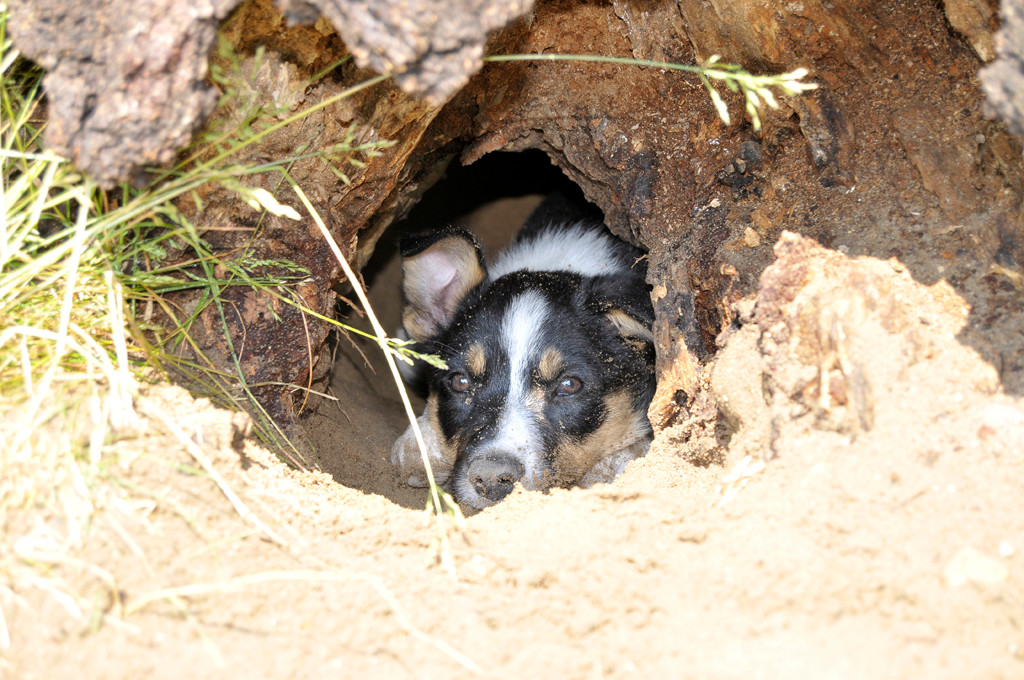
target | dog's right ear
x=625, y=300
x=437, y=272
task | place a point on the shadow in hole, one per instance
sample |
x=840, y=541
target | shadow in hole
x=459, y=197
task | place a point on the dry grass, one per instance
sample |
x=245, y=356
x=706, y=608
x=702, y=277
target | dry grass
x=65, y=380
x=76, y=350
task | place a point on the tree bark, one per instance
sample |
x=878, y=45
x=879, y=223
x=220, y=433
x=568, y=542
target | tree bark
x=891, y=157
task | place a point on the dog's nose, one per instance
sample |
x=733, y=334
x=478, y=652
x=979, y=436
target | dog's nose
x=493, y=476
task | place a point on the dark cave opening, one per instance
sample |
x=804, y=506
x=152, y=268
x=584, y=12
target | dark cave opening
x=509, y=182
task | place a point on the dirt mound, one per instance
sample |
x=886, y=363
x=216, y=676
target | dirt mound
x=865, y=524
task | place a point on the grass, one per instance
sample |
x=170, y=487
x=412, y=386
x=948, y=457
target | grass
x=132, y=245
x=84, y=274
x=442, y=503
x=756, y=89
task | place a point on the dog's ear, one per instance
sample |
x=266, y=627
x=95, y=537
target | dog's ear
x=437, y=272
x=625, y=300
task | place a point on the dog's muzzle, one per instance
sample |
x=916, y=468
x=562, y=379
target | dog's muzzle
x=494, y=475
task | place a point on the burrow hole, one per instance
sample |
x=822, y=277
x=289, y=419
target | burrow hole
x=352, y=436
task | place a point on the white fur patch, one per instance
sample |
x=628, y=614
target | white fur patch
x=517, y=430
x=520, y=333
x=517, y=433
x=570, y=248
x=405, y=454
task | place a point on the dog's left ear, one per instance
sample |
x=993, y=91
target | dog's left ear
x=438, y=270
x=624, y=300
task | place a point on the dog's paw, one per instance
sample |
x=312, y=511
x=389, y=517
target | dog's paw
x=613, y=465
x=405, y=455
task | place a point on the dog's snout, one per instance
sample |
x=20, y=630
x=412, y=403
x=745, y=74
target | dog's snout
x=493, y=476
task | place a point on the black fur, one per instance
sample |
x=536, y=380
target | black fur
x=598, y=356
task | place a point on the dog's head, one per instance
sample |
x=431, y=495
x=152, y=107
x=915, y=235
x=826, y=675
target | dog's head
x=549, y=373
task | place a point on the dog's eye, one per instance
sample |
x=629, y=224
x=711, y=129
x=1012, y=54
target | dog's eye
x=458, y=382
x=568, y=386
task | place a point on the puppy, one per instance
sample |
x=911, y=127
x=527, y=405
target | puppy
x=549, y=351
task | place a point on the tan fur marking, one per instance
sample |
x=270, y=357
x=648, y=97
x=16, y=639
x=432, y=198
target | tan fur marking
x=413, y=321
x=476, y=360
x=535, y=400
x=622, y=427
x=551, y=364
x=628, y=326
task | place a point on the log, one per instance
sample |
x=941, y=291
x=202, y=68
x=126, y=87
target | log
x=128, y=80
x=892, y=157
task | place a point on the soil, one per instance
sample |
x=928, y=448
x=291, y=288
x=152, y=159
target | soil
x=854, y=512
x=860, y=519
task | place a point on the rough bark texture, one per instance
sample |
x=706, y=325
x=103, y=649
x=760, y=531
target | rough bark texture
x=432, y=52
x=891, y=157
x=127, y=79
x=275, y=342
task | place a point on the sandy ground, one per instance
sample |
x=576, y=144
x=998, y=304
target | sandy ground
x=865, y=523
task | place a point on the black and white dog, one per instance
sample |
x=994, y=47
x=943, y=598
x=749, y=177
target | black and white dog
x=549, y=351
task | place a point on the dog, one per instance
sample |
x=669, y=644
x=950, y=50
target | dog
x=549, y=354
